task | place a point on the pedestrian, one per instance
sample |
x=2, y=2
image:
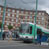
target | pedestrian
x=3, y=36
x=17, y=36
x=10, y=34
x=40, y=36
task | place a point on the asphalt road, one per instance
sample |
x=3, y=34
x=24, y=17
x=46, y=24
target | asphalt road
x=20, y=45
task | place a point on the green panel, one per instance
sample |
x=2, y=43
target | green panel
x=45, y=32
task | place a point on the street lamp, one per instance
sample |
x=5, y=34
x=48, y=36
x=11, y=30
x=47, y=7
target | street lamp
x=4, y=9
x=35, y=19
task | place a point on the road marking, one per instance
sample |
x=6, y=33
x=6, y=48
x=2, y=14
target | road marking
x=14, y=45
x=4, y=46
x=10, y=41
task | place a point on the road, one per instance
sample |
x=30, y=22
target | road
x=20, y=45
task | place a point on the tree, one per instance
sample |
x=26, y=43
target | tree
x=0, y=24
x=10, y=27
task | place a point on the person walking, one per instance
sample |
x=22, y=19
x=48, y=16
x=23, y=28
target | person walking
x=40, y=37
x=10, y=35
x=3, y=36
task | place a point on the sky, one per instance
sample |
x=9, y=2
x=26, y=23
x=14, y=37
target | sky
x=27, y=4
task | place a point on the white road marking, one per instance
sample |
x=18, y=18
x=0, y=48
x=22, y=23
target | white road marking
x=10, y=41
x=14, y=45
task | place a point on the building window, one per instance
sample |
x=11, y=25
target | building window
x=13, y=10
x=16, y=19
x=21, y=17
x=42, y=18
x=42, y=23
x=7, y=23
x=21, y=20
x=8, y=10
x=8, y=14
x=30, y=12
x=13, y=15
x=26, y=17
x=30, y=17
x=17, y=15
x=12, y=19
x=17, y=11
x=26, y=12
x=39, y=18
x=39, y=13
x=42, y=13
x=11, y=24
x=30, y=20
x=34, y=13
x=38, y=22
x=22, y=12
x=7, y=19
x=0, y=8
x=26, y=20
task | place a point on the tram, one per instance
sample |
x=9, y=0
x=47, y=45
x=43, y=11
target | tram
x=27, y=31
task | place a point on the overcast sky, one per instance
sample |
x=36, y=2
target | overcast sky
x=28, y=4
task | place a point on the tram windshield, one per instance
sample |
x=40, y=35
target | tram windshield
x=26, y=29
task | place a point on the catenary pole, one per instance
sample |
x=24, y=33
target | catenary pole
x=4, y=9
x=35, y=19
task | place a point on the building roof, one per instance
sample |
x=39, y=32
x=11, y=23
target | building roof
x=23, y=9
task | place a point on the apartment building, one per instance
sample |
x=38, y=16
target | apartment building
x=48, y=22
x=15, y=16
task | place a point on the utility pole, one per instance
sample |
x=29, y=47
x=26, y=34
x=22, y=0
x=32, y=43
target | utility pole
x=4, y=9
x=35, y=19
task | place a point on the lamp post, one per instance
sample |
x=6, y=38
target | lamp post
x=4, y=9
x=35, y=19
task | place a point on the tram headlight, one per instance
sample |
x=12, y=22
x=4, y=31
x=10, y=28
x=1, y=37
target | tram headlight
x=20, y=35
x=30, y=37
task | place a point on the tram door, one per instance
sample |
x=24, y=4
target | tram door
x=39, y=34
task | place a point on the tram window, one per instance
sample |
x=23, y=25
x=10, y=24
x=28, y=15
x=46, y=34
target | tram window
x=20, y=30
x=30, y=29
x=39, y=31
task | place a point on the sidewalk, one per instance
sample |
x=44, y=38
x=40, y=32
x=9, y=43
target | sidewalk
x=10, y=39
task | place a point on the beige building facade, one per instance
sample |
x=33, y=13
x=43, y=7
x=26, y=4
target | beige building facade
x=15, y=16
